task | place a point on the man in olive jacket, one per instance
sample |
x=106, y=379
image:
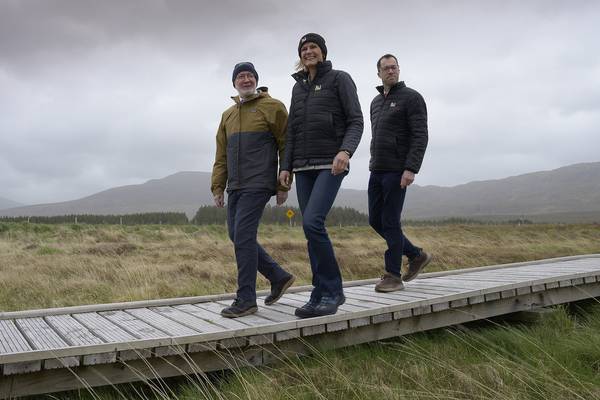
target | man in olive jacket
x=398, y=143
x=250, y=141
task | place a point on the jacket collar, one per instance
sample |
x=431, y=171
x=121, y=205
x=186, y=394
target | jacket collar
x=255, y=96
x=322, y=69
x=397, y=86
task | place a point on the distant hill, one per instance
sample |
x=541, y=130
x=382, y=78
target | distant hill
x=571, y=189
x=6, y=203
x=564, y=194
x=183, y=191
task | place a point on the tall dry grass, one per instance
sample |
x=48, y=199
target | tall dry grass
x=60, y=265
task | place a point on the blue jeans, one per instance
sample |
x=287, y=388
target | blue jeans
x=317, y=190
x=386, y=199
x=244, y=209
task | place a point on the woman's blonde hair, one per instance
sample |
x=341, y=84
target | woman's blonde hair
x=299, y=66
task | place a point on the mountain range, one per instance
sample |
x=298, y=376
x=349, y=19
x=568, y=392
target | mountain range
x=568, y=193
x=6, y=203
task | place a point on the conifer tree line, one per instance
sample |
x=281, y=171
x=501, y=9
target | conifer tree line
x=207, y=215
x=344, y=216
x=171, y=218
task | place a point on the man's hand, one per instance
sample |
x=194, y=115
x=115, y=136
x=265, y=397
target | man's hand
x=284, y=179
x=219, y=200
x=408, y=177
x=340, y=163
x=281, y=197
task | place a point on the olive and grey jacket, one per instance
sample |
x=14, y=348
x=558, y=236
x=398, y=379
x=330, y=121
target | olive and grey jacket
x=250, y=140
x=399, y=130
x=325, y=118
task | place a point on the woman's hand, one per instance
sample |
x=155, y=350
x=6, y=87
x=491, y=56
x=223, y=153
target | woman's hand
x=340, y=163
x=284, y=179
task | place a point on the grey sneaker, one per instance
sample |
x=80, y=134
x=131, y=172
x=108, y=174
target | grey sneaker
x=416, y=265
x=389, y=283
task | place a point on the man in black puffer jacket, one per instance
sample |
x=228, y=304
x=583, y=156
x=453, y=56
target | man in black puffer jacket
x=398, y=143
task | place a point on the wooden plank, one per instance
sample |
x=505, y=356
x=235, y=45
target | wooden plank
x=477, y=299
x=299, y=299
x=402, y=314
x=440, y=306
x=400, y=296
x=508, y=293
x=261, y=340
x=209, y=316
x=407, y=294
x=459, y=303
x=251, y=320
x=161, y=322
x=577, y=281
x=12, y=341
x=313, y=330
x=76, y=334
x=538, y=288
x=133, y=325
x=492, y=296
x=356, y=322
x=421, y=310
x=336, y=326
x=43, y=337
x=187, y=319
x=378, y=319
x=268, y=314
x=287, y=335
x=279, y=307
x=111, y=333
x=523, y=290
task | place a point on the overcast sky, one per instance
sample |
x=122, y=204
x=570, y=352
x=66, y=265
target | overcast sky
x=97, y=94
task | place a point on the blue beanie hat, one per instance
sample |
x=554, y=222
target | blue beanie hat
x=241, y=67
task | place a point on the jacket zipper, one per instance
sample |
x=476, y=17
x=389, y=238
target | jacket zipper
x=239, y=171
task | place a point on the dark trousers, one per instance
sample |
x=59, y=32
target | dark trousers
x=386, y=199
x=244, y=209
x=317, y=190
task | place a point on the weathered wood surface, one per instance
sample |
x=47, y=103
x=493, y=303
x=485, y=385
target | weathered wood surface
x=34, y=342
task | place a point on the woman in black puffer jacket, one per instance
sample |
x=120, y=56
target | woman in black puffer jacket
x=325, y=125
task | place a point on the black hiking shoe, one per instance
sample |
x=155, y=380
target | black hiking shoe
x=307, y=310
x=239, y=309
x=278, y=289
x=329, y=305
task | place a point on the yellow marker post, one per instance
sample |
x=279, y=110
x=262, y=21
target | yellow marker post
x=290, y=214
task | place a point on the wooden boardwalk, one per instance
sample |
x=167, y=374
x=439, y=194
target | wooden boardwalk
x=52, y=350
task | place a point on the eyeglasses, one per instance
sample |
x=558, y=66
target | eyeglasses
x=244, y=75
x=390, y=68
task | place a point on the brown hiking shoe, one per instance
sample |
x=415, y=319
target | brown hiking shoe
x=416, y=265
x=389, y=283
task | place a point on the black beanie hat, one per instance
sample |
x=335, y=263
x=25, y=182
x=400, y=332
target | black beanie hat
x=243, y=66
x=314, y=38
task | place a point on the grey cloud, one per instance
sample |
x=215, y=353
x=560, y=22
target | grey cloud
x=99, y=94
